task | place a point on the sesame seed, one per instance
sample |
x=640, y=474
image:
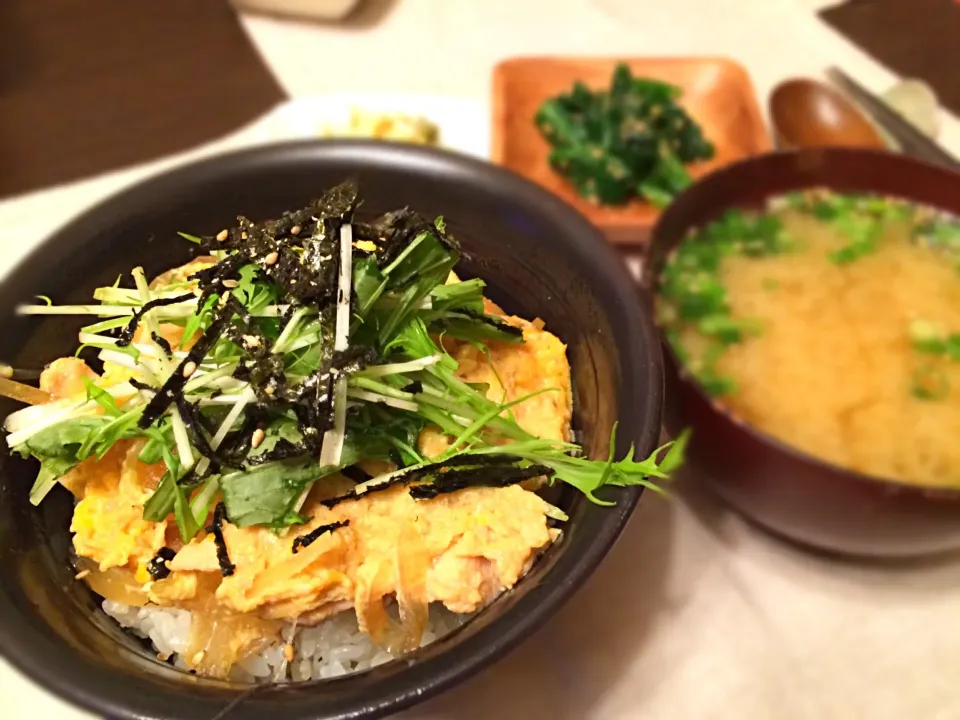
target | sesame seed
x=224, y=298
x=288, y=652
x=198, y=657
x=223, y=235
x=271, y=258
x=270, y=390
x=258, y=436
x=81, y=575
x=295, y=230
x=189, y=369
x=243, y=236
x=229, y=283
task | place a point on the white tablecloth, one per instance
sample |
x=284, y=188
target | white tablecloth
x=695, y=615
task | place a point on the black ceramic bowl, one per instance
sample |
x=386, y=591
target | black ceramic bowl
x=539, y=257
x=783, y=489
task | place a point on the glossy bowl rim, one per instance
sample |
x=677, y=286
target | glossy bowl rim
x=641, y=415
x=721, y=176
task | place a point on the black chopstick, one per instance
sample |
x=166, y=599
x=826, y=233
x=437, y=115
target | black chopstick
x=19, y=374
x=912, y=141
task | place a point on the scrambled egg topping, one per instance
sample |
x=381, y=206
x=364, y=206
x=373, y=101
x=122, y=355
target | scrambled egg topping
x=108, y=522
x=461, y=549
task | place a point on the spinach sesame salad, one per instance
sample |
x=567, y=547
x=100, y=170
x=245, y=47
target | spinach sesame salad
x=726, y=282
x=291, y=350
x=631, y=140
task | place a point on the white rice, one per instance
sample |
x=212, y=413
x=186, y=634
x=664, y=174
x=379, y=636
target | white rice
x=334, y=647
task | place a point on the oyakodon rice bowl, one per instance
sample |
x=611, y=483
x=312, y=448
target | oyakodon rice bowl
x=307, y=443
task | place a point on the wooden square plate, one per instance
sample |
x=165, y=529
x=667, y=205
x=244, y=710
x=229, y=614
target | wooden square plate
x=717, y=92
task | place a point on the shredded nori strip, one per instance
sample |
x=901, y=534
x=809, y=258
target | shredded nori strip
x=306, y=265
x=210, y=279
x=396, y=230
x=493, y=321
x=263, y=369
x=483, y=462
x=453, y=480
x=174, y=384
x=227, y=568
x=162, y=342
x=305, y=270
x=193, y=420
x=381, y=229
x=237, y=444
x=497, y=323
x=126, y=336
x=191, y=479
x=399, y=479
x=312, y=402
x=465, y=459
x=298, y=254
x=157, y=567
x=283, y=450
x=303, y=541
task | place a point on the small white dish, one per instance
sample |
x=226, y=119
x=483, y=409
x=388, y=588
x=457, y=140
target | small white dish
x=464, y=124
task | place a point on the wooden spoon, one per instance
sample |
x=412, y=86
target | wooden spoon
x=806, y=113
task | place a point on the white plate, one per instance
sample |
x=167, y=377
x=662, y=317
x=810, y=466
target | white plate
x=464, y=124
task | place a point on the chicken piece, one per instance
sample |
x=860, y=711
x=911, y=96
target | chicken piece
x=498, y=531
x=102, y=474
x=182, y=273
x=539, y=363
x=218, y=637
x=475, y=543
x=117, y=584
x=198, y=555
x=170, y=332
x=173, y=589
x=511, y=371
x=63, y=378
x=173, y=334
x=108, y=522
x=268, y=576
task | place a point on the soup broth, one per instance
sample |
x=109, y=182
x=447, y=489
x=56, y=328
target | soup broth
x=831, y=322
